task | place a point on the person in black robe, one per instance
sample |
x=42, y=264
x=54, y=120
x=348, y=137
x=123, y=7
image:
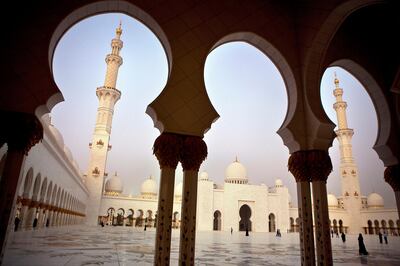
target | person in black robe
x=247, y=231
x=361, y=247
x=16, y=223
x=380, y=237
x=343, y=237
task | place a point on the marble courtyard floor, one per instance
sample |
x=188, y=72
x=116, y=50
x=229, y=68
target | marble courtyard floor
x=82, y=245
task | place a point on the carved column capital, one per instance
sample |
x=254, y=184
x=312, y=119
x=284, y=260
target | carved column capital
x=392, y=176
x=167, y=149
x=21, y=131
x=310, y=165
x=194, y=152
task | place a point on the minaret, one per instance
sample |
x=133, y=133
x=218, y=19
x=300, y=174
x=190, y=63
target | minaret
x=108, y=95
x=348, y=168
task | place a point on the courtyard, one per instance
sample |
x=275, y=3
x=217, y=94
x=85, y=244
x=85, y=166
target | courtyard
x=83, y=245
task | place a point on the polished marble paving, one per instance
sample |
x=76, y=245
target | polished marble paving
x=83, y=245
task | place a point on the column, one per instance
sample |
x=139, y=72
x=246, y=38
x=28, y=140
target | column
x=320, y=168
x=298, y=167
x=392, y=177
x=166, y=149
x=193, y=153
x=24, y=211
x=20, y=131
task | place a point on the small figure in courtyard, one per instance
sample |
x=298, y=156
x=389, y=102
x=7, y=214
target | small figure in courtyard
x=337, y=234
x=278, y=233
x=16, y=223
x=102, y=224
x=247, y=231
x=361, y=247
x=343, y=237
x=47, y=222
x=35, y=222
x=145, y=227
x=231, y=230
x=380, y=237
x=332, y=232
x=385, y=237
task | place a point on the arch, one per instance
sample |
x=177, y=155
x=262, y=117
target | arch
x=110, y=216
x=284, y=69
x=291, y=222
x=383, y=223
x=49, y=192
x=313, y=69
x=391, y=227
x=381, y=107
x=297, y=224
x=271, y=223
x=36, y=186
x=245, y=214
x=120, y=216
x=139, y=218
x=376, y=225
x=370, y=230
x=43, y=190
x=27, y=183
x=335, y=227
x=217, y=221
x=98, y=8
x=340, y=226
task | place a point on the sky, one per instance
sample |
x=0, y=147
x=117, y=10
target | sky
x=244, y=86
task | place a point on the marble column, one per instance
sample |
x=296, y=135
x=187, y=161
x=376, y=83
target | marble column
x=24, y=211
x=392, y=177
x=320, y=168
x=166, y=148
x=20, y=131
x=298, y=167
x=194, y=151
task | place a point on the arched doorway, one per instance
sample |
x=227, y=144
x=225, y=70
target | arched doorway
x=120, y=217
x=271, y=223
x=110, y=216
x=130, y=217
x=217, y=221
x=335, y=227
x=391, y=227
x=340, y=226
x=139, y=218
x=245, y=214
x=291, y=224
x=377, y=229
x=370, y=230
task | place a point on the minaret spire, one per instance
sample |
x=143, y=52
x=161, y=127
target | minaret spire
x=351, y=196
x=108, y=96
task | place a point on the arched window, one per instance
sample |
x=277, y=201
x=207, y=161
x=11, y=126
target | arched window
x=217, y=221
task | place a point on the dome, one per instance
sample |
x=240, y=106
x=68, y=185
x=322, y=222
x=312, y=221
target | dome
x=278, y=183
x=374, y=200
x=203, y=176
x=114, y=185
x=178, y=190
x=149, y=187
x=236, y=173
x=332, y=200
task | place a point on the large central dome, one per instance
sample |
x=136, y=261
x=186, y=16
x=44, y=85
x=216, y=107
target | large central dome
x=236, y=173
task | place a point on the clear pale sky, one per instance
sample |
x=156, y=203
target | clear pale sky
x=244, y=86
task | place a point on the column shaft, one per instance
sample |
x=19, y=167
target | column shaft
x=321, y=221
x=8, y=187
x=188, y=218
x=306, y=223
x=164, y=216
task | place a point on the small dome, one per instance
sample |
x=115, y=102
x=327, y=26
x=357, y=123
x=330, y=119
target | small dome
x=203, y=176
x=236, y=173
x=374, y=200
x=114, y=185
x=178, y=190
x=278, y=183
x=332, y=200
x=149, y=187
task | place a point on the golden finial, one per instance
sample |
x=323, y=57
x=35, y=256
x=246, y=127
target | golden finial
x=119, y=30
x=336, y=81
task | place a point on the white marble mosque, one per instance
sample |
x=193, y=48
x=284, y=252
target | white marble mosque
x=54, y=192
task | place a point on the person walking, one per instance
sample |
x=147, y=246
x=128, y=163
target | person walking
x=380, y=237
x=332, y=232
x=343, y=237
x=16, y=223
x=361, y=247
x=231, y=230
x=385, y=237
x=247, y=231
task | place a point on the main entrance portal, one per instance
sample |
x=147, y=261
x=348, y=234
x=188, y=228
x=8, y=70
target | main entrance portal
x=245, y=214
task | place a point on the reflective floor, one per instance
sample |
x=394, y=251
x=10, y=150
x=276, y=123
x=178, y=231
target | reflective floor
x=81, y=245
